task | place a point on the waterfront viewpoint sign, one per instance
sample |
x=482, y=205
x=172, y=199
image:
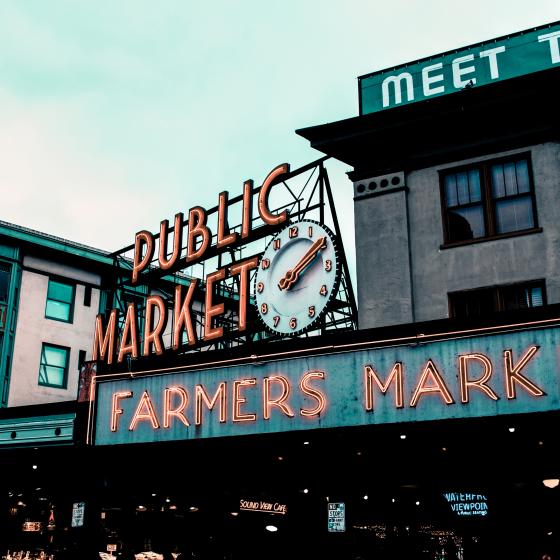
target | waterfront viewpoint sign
x=412, y=379
x=491, y=61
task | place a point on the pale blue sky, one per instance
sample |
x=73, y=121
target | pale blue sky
x=117, y=114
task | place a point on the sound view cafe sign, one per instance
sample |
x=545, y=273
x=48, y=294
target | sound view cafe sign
x=429, y=378
x=492, y=61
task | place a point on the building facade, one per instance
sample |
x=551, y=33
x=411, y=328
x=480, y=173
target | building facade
x=429, y=433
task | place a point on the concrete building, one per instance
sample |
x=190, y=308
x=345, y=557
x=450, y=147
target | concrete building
x=455, y=200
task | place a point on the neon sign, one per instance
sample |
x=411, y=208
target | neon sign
x=516, y=372
x=108, y=347
x=466, y=504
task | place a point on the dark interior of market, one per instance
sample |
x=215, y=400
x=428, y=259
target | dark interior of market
x=460, y=489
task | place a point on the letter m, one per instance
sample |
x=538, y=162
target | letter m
x=396, y=82
x=396, y=377
x=104, y=344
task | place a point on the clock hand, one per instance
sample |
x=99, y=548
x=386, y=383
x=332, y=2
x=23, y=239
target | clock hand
x=292, y=275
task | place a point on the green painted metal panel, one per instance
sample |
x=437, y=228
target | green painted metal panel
x=500, y=59
x=343, y=388
x=57, y=428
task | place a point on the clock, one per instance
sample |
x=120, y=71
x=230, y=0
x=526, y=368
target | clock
x=297, y=277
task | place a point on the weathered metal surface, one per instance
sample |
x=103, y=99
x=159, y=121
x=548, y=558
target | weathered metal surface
x=343, y=388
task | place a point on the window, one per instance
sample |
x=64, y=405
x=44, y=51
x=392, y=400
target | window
x=488, y=199
x=483, y=302
x=53, y=371
x=60, y=301
x=81, y=359
x=87, y=296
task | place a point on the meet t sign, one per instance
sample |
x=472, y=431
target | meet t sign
x=499, y=59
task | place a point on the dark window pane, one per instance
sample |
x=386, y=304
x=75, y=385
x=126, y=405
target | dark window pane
x=522, y=297
x=522, y=173
x=463, y=188
x=474, y=303
x=4, y=282
x=498, y=186
x=451, y=190
x=474, y=185
x=510, y=179
x=466, y=223
x=514, y=215
x=87, y=296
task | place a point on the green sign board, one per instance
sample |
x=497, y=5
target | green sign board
x=491, y=61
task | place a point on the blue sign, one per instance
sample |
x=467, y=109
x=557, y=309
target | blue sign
x=491, y=61
x=410, y=380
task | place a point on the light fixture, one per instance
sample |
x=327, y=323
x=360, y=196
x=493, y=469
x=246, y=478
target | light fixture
x=444, y=448
x=280, y=458
x=551, y=482
x=234, y=513
x=154, y=495
x=193, y=508
x=417, y=503
x=403, y=436
x=271, y=528
x=141, y=508
x=305, y=443
x=511, y=430
x=34, y=467
x=167, y=500
x=173, y=506
x=306, y=490
x=366, y=497
x=393, y=500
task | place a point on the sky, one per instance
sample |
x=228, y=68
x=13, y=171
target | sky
x=116, y=114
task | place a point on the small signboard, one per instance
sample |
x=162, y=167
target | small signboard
x=337, y=517
x=78, y=510
x=32, y=526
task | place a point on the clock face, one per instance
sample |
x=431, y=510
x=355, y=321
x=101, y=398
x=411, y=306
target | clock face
x=298, y=276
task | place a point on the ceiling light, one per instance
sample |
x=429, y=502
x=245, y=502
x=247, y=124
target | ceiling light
x=280, y=458
x=551, y=482
x=193, y=508
x=167, y=500
x=154, y=495
x=173, y=507
x=393, y=500
x=34, y=467
x=417, y=503
x=511, y=430
x=271, y=528
x=306, y=490
x=403, y=436
x=366, y=496
x=305, y=443
x=234, y=513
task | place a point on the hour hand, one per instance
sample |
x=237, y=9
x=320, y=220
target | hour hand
x=292, y=275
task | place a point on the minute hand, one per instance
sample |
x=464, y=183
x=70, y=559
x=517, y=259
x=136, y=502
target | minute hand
x=292, y=275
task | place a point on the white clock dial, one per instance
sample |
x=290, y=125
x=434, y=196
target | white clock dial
x=298, y=276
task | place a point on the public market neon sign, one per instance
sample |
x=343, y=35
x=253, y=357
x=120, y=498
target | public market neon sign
x=199, y=238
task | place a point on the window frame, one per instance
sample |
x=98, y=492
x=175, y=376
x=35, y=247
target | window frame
x=64, y=386
x=496, y=291
x=488, y=202
x=65, y=282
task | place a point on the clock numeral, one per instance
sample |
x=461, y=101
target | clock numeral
x=323, y=291
x=260, y=287
x=265, y=263
x=276, y=244
x=310, y=231
x=276, y=320
x=311, y=311
x=264, y=308
x=293, y=323
x=328, y=265
x=294, y=232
